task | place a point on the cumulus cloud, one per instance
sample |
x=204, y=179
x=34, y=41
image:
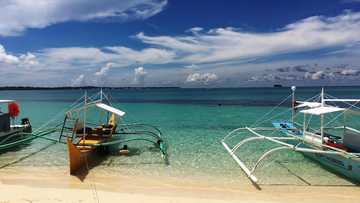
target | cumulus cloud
x=7, y=58
x=18, y=15
x=332, y=73
x=350, y=72
x=222, y=44
x=140, y=75
x=308, y=73
x=79, y=81
x=28, y=60
x=229, y=51
x=204, y=78
x=104, y=70
x=316, y=75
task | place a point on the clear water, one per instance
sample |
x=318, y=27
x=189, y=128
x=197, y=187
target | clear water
x=193, y=121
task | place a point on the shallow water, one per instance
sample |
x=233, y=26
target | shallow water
x=193, y=121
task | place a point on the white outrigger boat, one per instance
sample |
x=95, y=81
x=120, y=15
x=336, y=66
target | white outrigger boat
x=12, y=134
x=335, y=146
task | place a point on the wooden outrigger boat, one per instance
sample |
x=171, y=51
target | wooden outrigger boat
x=12, y=134
x=85, y=139
x=335, y=146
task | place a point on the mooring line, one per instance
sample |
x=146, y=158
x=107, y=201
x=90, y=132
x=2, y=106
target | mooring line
x=27, y=156
x=294, y=174
x=92, y=185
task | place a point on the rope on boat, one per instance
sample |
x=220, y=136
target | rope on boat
x=260, y=121
x=273, y=109
x=340, y=114
x=343, y=101
x=31, y=136
x=72, y=106
x=27, y=156
x=27, y=139
x=57, y=115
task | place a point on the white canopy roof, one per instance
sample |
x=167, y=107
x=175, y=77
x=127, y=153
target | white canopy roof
x=322, y=110
x=6, y=101
x=110, y=109
x=308, y=104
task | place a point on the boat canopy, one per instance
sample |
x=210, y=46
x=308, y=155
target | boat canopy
x=110, y=109
x=308, y=104
x=322, y=110
x=6, y=101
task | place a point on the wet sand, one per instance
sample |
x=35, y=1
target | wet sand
x=51, y=184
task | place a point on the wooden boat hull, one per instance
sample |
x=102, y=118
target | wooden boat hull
x=83, y=157
x=78, y=158
x=348, y=168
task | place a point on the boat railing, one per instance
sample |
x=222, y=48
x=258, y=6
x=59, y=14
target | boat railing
x=352, y=129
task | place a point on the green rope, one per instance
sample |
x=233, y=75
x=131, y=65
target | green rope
x=27, y=139
x=121, y=141
x=162, y=146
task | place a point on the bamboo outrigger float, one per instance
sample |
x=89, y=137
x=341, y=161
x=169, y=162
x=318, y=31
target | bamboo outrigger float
x=336, y=147
x=85, y=139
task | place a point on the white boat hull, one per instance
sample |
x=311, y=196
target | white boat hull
x=349, y=168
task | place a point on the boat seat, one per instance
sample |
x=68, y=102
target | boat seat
x=88, y=142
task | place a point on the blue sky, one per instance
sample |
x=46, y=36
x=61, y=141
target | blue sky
x=179, y=43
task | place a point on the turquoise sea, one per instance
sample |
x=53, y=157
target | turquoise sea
x=193, y=121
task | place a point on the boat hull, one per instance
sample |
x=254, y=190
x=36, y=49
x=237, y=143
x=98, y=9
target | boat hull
x=83, y=158
x=348, y=168
x=12, y=138
x=78, y=159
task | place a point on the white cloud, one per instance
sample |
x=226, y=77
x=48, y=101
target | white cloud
x=28, y=60
x=104, y=70
x=350, y=72
x=140, y=74
x=223, y=44
x=147, y=55
x=75, y=54
x=7, y=58
x=224, y=55
x=202, y=77
x=70, y=57
x=315, y=76
x=79, y=81
x=19, y=15
x=195, y=30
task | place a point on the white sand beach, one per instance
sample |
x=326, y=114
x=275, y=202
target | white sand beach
x=34, y=184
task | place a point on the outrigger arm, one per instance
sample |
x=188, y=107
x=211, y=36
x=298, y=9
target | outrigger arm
x=278, y=140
